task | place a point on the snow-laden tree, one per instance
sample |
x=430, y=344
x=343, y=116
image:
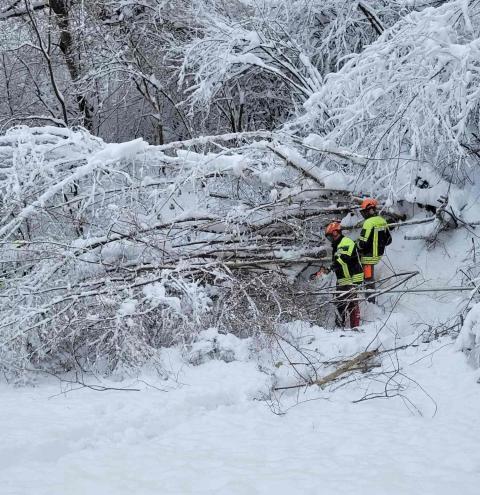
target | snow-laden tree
x=50, y=31
x=275, y=54
x=174, y=70
x=409, y=100
x=132, y=46
x=95, y=64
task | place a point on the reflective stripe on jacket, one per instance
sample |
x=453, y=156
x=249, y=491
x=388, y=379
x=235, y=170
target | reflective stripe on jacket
x=346, y=262
x=374, y=237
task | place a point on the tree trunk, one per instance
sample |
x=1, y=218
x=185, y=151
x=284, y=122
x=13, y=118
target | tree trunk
x=61, y=9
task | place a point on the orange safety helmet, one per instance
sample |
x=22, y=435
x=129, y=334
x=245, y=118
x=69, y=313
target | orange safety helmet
x=369, y=203
x=333, y=227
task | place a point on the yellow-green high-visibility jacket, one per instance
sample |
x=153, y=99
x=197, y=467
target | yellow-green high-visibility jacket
x=374, y=237
x=346, y=262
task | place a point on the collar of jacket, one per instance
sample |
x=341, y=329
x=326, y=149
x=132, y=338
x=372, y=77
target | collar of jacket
x=337, y=242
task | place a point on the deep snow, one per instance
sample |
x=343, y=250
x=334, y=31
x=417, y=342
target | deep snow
x=209, y=437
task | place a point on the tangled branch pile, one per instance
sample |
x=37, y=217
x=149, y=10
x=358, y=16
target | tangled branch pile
x=110, y=251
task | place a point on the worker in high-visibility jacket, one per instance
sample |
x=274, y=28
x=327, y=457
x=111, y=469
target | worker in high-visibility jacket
x=349, y=273
x=374, y=237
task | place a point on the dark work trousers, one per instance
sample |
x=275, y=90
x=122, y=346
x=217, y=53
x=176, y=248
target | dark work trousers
x=369, y=281
x=346, y=306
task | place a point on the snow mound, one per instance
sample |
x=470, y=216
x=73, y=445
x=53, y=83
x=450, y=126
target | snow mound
x=468, y=339
x=213, y=345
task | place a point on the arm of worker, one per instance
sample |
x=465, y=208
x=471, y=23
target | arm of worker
x=363, y=239
x=388, y=237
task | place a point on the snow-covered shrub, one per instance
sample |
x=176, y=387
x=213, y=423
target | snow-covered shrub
x=210, y=344
x=468, y=339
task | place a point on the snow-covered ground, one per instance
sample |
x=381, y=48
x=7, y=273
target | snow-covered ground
x=209, y=430
x=211, y=437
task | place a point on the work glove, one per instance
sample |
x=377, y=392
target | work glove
x=322, y=272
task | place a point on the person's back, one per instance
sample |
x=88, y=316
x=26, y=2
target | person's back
x=374, y=237
x=346, y=262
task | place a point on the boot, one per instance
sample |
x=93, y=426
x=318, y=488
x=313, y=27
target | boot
x=355, y=316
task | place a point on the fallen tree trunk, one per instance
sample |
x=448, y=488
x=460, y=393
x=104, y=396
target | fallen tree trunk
x=359, y=362
x=351, y=365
